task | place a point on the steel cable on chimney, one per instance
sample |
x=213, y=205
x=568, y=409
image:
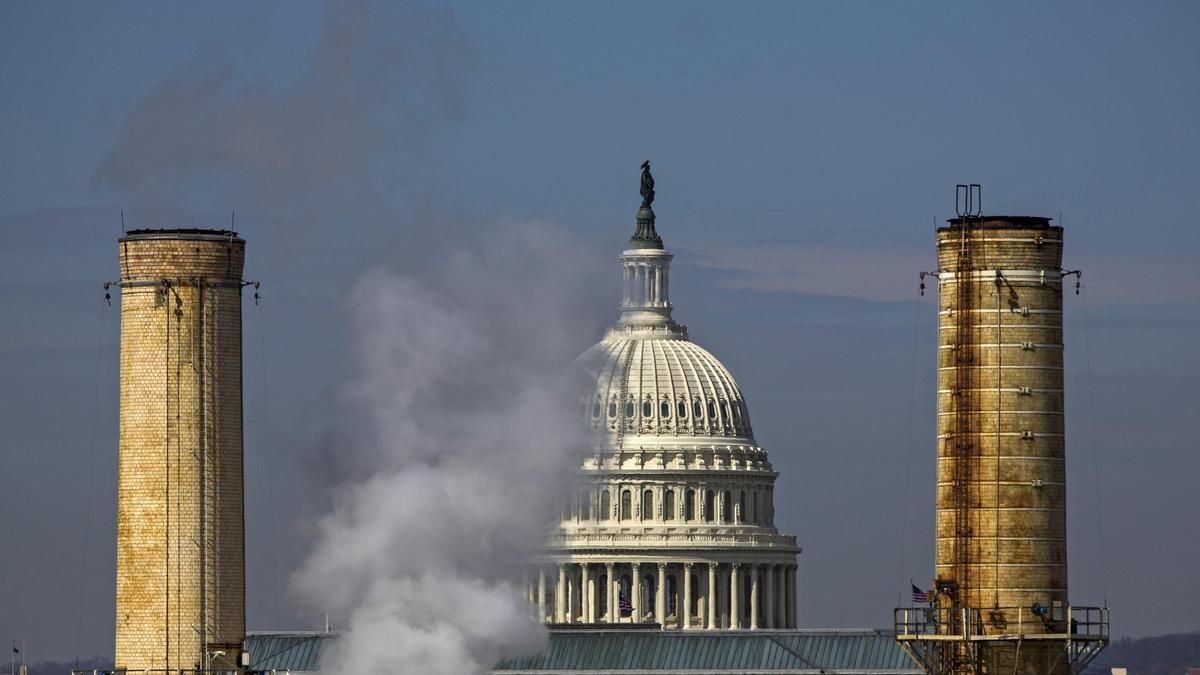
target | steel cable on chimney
x=87, y=517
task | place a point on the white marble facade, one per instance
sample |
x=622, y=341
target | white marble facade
x=672, y=518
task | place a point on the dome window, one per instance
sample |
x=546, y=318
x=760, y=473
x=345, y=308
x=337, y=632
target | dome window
x=669, y=505
x=629, y=408
x=689, y=505
x=626, y=505
x=712, y=411
x=647, y=505
x=724, y=410
x=727, y=507
x=683, y=410
x=697, y=409
x=612, y=409
x=665, y=410
x=596, y=410
x=710, y=502
x=585, y=505
x=605, y=506
x=647, y=409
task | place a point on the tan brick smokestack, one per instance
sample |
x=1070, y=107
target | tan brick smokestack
x=180, y=525
x=1001, y=492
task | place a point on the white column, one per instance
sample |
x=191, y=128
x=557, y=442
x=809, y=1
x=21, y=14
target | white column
x=635, y=589
x=585, y=594
x=560, y=588
x=646, y=284
x=611, y=593
x=572, y=594
x=781, y=608
x=660, y=596
x=735, y=616
x=711, y=601
x=769, y=596
x=686, y=605
x=754, y=597
x=791, y=596
x=541, y=594
x=781, y=605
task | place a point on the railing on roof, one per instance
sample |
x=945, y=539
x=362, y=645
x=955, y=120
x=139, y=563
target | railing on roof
x=926, y=631
x=156, y=671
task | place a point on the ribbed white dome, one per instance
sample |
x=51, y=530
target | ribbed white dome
x=657, y=382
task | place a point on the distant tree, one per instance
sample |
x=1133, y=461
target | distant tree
x=1159, y=655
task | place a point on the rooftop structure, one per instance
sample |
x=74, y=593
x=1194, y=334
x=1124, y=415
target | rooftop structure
x=774, y=652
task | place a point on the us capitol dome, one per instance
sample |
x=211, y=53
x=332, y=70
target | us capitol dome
x=671, y=520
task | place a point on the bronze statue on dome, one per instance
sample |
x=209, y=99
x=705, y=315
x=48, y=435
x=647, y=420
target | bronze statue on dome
x=647, y=185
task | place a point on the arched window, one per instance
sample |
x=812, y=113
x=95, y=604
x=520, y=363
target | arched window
x=648, y=604
x=647, y=409
x=626, y=505
x=629, y=408
x=585, y=505
x=665, y=410
x=673, y=596
x=709, y=502
x=647, y=505
x=741, y=514
x=683, y=410
x=602, y=594
x=625, y=596
x=669, y=505
x=697, y=409
x=596, y=410
x=712, y=411
x=724, y=411
x=605, y=505
x=689, y=505
x=612, y=409
x=727, y=507
x=695, y=599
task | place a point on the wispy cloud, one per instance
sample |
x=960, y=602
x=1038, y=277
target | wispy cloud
x=871, y=273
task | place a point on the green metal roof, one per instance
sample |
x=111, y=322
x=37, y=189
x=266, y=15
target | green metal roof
x=742, y=652
x=629, y=652
x=295, y=652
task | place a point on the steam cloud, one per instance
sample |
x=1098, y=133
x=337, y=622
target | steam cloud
x=469, y=425
x=451, y=443
x=381, y=78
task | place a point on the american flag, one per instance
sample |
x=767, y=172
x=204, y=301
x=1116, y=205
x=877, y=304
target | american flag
x=919, y=596
x=624, y=604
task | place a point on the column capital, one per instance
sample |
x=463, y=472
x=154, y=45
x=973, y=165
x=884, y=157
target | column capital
x=713, y=565
x=609, y=566
x=735, y=565
x=687, y=566
x=662, y=565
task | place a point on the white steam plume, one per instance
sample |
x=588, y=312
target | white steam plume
x=463, y=425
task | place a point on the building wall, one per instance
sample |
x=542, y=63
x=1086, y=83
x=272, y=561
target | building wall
x=1001, y=492
x=180, y=540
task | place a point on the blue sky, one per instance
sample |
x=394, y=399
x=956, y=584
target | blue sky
x=803, y=153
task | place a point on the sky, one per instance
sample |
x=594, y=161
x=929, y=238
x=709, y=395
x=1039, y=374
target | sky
x=803, y=154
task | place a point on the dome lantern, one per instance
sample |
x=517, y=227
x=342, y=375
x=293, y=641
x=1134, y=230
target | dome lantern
x=645, y=268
